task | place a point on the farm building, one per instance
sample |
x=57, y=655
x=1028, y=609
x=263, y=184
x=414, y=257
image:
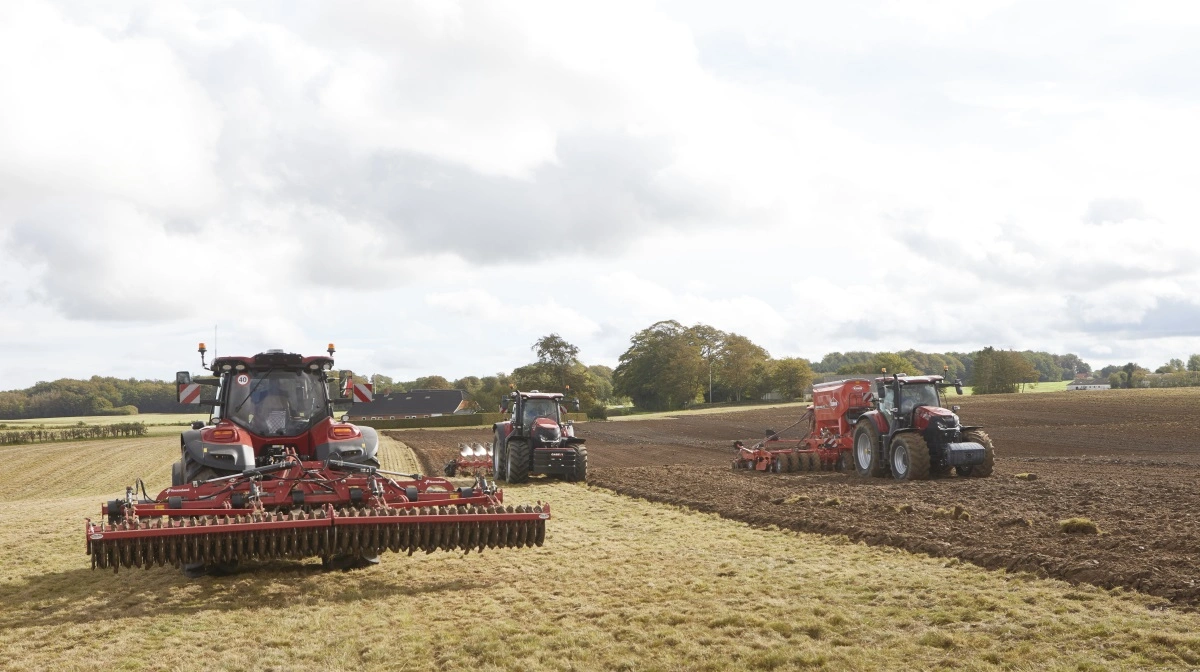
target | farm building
x=414, y=404
x=1085, y=385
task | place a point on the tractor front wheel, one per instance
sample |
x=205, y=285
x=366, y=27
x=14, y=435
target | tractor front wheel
x=868, y=458
x=519, y=459
x=499, y=472
x=580, y=474
x=989, y=455
x=910, y=458
x=177, y=473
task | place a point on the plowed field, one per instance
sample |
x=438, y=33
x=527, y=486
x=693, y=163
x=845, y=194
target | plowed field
x=1128, y=460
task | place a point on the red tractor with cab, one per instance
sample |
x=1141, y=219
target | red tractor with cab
x=910, y=434
x=536, y=440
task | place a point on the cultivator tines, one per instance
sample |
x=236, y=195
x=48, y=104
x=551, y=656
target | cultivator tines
x=298, y=510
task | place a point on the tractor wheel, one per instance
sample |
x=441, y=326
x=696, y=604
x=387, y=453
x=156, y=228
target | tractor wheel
x=989, y=456
x=177, y=473
x=868, y=458
x=580, y=474
x=518, y=462
x=450, y=469
x=499, y=464
x=910, y=458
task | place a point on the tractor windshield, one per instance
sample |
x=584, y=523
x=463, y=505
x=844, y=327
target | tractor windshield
x=276, y=402
x=919, y=394
x=540, y=408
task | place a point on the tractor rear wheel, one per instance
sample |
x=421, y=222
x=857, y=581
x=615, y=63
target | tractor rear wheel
x=518, y=462
x=868, y=458
x=580, y=474
x=499, y=464
x=989, y=455
x=910, y=458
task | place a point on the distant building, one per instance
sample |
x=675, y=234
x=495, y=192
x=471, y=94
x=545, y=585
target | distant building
x=414, y=404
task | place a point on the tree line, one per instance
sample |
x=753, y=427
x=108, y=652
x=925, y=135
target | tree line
x=43, y=435
x=95, y=396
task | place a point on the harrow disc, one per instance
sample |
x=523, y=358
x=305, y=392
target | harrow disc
x=299, y=534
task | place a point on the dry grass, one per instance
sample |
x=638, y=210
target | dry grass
x=620, y=584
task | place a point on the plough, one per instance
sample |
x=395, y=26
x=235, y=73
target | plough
x=473, y=459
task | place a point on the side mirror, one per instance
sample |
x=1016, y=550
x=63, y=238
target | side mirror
x=958, y=387
x=183, y=378
x=575, y=404
x=504, y=405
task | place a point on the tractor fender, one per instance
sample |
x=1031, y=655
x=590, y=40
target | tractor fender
x=358, y=450
x=226, y=457
x=504, y=429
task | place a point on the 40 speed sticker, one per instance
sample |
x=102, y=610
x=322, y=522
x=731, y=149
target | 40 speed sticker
x=243, y=379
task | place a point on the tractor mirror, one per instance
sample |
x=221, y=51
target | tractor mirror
x=183, y=378
x=504, y=404
x=576, y=404
x=958, y=387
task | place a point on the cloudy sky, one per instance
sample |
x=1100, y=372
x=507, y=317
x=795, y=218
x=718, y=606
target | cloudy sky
x=435, y=185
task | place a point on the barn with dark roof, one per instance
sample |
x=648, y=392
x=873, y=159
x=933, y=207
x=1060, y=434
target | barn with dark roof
x=413, y=404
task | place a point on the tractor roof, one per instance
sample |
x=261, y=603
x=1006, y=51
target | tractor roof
x=911, y=379
x=272, y=359
x=534, y=394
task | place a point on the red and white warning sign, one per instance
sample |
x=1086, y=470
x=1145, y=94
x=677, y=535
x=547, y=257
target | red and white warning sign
x=363, y=392
x=189, y=393
x=243, y=379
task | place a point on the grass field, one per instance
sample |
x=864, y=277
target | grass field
x=620, y=584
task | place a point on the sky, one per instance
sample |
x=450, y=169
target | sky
x=433, y=186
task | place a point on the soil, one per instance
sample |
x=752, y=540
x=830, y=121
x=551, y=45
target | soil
x=1127, y=460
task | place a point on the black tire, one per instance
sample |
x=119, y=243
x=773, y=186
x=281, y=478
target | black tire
x=868, y=453
x=580, y=474
x=989, y=459
x=499, y=471
x=840, y=465
x=519, y=460
x=177, y=473
x=450, y=469
x=910, y=458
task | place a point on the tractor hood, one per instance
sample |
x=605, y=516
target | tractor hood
x=923, y=416
x=546, y=432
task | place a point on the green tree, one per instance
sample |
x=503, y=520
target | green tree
x=1193, y=363
x=709, y=341
x=740, y=364
x=429, y=383
x=1001, y=371
x=558, y=355
x=661, y=370
x=792, y=377
x=879, y=362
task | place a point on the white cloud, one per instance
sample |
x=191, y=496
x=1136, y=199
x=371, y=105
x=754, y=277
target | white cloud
x=435, y=185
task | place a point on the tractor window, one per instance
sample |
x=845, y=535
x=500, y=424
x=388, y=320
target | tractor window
x=276, y=402
x=540, y=408
x=911, y=396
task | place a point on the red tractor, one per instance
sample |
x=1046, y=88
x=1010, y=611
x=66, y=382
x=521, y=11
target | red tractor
x=273, y=475
x=910, y=434
x=535, y=440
